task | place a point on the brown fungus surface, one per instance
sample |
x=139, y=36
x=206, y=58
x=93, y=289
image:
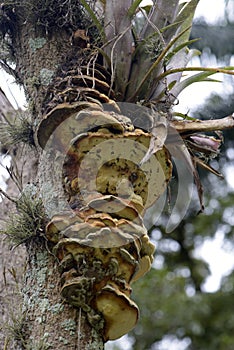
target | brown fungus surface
x=112, y=174
x=120, y=312
x=102, y=243
x=74, y=89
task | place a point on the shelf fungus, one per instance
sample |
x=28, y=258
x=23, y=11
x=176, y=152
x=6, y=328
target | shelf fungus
x=99, y=258
x=101, y=242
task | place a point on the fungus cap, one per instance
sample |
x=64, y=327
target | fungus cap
x=119, y=311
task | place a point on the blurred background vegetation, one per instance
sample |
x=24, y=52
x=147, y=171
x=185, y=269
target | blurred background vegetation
x=178, y=309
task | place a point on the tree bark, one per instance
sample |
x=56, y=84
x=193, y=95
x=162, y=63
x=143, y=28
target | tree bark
x=13, y=260
x=44, y=320
x=49, y=321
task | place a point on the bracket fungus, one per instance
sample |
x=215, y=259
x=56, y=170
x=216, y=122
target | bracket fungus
x=101, y=243
x=120, y=313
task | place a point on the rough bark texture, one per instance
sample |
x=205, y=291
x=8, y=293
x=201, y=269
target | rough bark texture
x=12, y=265
x=49, y=321
x=12, y=262
x=37, y=60
x=44, y=320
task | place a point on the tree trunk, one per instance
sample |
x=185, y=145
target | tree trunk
x=44, y=320
x=97, y=164
x=50, y=322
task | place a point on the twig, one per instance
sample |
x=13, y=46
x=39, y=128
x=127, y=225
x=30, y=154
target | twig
x=8, y=197
x=6, y=343
x=203, y=125
x=155, y=28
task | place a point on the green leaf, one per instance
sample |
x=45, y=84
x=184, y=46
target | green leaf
x=178, y=48
x=161, y=12
x=133, y=8
x=183, y=116
x=147, y=8
x=94, y=18
x=173, y=26
x=171, y=85
x=224, y=70
x=186, y=17
x=183, y=20
x=104, y=55
x=200, y=77
x=213, y=80
x=156, y=63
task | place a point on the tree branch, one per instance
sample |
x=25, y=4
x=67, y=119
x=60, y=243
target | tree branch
x=8, y=197
x=203, y=125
